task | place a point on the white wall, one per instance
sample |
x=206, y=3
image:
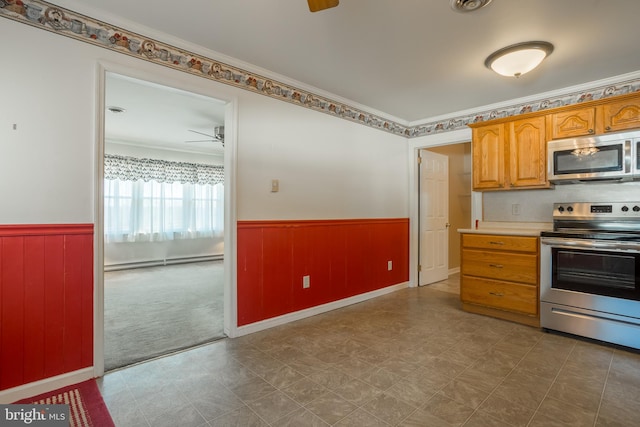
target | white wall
x=537, y=205
x=327, y=167
x=48, y=88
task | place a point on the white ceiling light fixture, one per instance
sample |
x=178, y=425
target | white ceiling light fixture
x=468, y=5
x=116, y=110
x=518, y=59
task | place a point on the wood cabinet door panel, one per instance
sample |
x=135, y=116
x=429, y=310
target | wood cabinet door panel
x=488, y=157
x=573, y=123
x=621, y=115
x=527, y=152
x=522, y=268
x=497, y=294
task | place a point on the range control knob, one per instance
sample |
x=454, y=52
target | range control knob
x=560, y=209
x=625, y=209
x=636, y=208
x=570, y=209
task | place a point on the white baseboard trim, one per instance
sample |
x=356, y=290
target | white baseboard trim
x=302, y=314
x=454, y=270
x=162, y=262
x=43, y=386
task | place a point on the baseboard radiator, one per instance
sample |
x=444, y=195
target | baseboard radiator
x=162, y=262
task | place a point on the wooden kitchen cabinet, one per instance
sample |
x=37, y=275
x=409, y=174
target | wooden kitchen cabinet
x=621, y=115
x=575, y=122
x=488, y=157
x=528, y=153
x=500, y=276
x=510, y=155
x=608, y=116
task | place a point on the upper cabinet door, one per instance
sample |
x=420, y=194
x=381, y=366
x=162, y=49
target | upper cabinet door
x=621, y=115
x=527, y=153
x=488, y=157
x=573, y=123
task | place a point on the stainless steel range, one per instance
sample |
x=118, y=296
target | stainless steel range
x=590, y=271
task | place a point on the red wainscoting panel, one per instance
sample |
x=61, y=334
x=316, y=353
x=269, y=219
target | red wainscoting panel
x=46, y=301
x=342, y=258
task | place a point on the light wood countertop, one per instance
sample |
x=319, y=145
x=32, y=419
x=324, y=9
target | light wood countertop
x=509, y=228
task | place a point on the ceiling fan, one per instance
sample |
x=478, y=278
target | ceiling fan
x=218, y=135
x=317, y=5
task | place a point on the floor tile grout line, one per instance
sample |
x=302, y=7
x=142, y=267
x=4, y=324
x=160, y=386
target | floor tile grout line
x=555, y=378
x=245, y=403
x=135, y=399
x=361, y=408
x=418, y=409
x=461, y=372
x=502, y=381
x=604, y=388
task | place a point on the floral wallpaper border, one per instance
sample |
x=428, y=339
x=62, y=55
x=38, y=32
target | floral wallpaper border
x=56, y=19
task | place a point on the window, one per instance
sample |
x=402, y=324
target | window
x=138, y=211
x=148, y=210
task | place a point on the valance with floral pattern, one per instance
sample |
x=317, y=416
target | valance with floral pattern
x=133, y=169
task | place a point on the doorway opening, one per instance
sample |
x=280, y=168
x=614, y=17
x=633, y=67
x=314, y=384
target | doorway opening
x=439, y=243
x=163, y=220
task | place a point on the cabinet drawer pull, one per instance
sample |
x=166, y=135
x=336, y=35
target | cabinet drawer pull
x=496, y=243
x=497, y=294
x=496, y=265
x=608, y=128
x=591, y=131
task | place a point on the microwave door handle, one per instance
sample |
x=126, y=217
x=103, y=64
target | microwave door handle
x=627, y=156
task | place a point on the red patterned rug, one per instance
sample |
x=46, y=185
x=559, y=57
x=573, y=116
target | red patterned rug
x=86, y=406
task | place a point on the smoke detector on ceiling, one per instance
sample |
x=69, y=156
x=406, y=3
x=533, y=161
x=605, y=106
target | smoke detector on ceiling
x=468, y=5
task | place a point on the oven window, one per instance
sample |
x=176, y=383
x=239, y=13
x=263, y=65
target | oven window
x=606, y=159
x=597, y=272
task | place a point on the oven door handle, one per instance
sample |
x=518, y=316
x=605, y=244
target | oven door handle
x=588, y=244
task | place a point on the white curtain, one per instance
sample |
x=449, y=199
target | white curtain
x=147, y=211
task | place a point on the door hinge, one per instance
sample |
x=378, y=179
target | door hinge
x=419, y=269
x=419, y=160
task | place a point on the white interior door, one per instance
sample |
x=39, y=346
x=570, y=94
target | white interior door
x=434, y=217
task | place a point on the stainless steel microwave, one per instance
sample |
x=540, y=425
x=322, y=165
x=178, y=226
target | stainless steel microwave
x=594, y=158
x=636, y=161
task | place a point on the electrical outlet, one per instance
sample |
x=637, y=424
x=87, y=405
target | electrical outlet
x=389, y=265
x=515, y=209
x=306, y=282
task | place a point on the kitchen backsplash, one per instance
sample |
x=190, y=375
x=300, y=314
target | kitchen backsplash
x=537, y=205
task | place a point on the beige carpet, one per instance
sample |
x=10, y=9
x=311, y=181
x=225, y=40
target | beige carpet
x=158, y=310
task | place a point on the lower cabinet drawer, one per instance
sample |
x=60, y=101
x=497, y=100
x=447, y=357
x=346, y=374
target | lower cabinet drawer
x=502, y=295
x=502, y=243
x=501, y=266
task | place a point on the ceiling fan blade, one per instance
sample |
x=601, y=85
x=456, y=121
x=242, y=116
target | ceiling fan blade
x=317, y=5
x=201, y=133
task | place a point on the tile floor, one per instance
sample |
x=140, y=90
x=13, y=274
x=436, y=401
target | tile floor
x=410, y=358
